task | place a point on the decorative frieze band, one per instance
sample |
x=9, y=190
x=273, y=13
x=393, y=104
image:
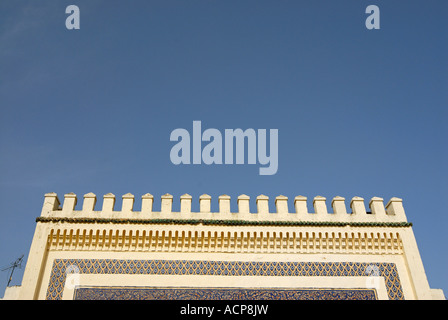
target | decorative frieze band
x=84, y=239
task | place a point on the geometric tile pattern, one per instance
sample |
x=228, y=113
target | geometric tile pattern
x=138, y=293
x=220, y=268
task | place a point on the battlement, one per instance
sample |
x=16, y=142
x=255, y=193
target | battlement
x=393, y=211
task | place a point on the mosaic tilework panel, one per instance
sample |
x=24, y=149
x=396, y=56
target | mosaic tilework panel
x=125, y=293
x=61, y=267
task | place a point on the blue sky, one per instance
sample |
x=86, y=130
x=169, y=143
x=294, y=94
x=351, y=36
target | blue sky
x=359, y=112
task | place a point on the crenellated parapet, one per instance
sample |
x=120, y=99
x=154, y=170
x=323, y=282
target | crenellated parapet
x=336, y=210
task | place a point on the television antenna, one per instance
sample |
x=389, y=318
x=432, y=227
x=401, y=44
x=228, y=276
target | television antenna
x=13, y=265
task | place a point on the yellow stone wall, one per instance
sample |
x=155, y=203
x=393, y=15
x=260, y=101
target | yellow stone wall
x=353, y=248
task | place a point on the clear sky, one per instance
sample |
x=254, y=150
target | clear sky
x=359, y=112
